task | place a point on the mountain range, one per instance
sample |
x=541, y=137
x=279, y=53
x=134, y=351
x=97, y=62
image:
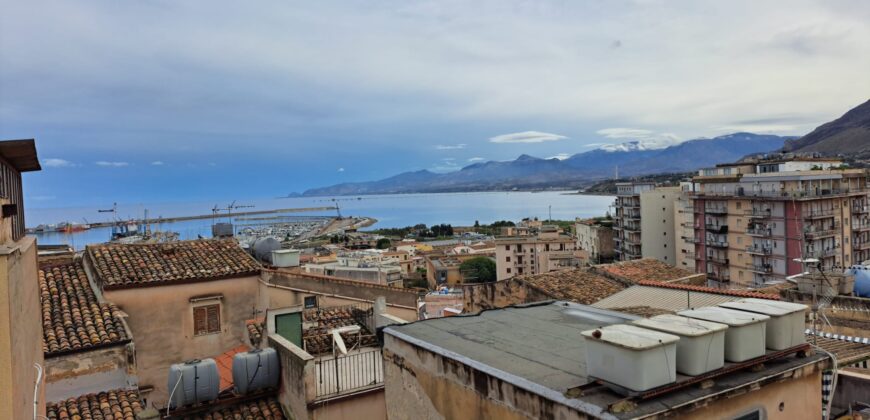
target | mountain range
x=848, y=135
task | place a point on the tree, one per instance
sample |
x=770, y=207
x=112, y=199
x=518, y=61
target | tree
x=383, y=243
x=478, y=270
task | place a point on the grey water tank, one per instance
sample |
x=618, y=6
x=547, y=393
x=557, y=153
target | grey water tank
x=222, y=230
x=193, y=382
x=256, y=369
x=262, y=248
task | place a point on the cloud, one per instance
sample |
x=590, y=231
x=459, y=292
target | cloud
x=57, y=163
x=450, y=146
x=111, y=164
x=560, y=156
x=157, y=163
x=476, y=159
x=526, y=137
x=340, y=169
x=642, y=139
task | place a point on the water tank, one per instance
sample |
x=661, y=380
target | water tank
x=193, y=382
x=222, y=230
x=285, y=258
x=256, y=369
x=631, y=357
x=786, y=325
x=862, y=280
x=262, y=248
x=745, y=337
x=701, y=348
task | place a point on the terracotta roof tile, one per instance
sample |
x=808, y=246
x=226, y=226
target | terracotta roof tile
x=225, y=365
x=255, y=331
x=266, y=408
x=72, y=317
x=644, y=311
x=726, y=292
x=644, y=269
x=115, y=405
x=132, y=265
x=579, y=285
x=317, y=339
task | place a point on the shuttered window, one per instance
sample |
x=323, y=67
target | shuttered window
x=206, y=319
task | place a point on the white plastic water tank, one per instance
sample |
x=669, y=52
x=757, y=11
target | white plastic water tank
x=787, y=320
x=256, y=369
x=631, y=357
x=745, y=336
x=193, y=382
x=701, y=348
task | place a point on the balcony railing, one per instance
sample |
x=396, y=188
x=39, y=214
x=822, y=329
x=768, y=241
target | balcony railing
x=818, y=214
x=717, y=244
x=347, y=373
x=723, y=277
x=861, y=226
x=717, y=260
x=816, y=233
x=788, y=194
x=717, y=228
x=766, y=232
x=762, y=268
x=860, y=209
x=824, y=253
x=716, y=210
x=861, y=245
x=758, y=213
x=761, y=250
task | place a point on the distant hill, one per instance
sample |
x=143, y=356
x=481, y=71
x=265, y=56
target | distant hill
x=848, y=135
x=577, y=171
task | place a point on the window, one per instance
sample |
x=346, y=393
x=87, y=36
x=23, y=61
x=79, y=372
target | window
x=755, y=414
x=207, y=319
x=739, y=204
x=509, y=270
x=507, y=259
x=507, y=247
x=310, y=302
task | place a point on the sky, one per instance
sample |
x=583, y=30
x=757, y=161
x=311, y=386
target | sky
x=167, y=100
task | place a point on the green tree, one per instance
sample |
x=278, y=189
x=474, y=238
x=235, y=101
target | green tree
x=478, y=270
x=383, y=243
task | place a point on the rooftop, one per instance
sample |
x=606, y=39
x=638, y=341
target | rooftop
x=539, y=348
x=73, y=319
x=119, y=266
x=115, y=404
x=645, y=269
x=262, y=408
x=20, y=154
x=578, y=285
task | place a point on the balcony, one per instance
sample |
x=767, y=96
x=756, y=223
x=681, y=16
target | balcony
x=717, y=260
x=631, y=227
x=716, y=244
x=721, y=229
x=824, y=253
x=716, y=210
x=860, y=245
x=759, y=231
x=758, y=213
x=759, y=250
x=816, y=233
x=818, y=214
x=762, y=268
x=720, y=277
x=861, y=226
x=860, y=209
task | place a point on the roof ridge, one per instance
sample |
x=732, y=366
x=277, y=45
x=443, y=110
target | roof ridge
x=706, y=289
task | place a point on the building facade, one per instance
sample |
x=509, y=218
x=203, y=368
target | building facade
x=627, y=216
x=549, y=250
x=657, y=223
x=754, y=222
x=595, y=238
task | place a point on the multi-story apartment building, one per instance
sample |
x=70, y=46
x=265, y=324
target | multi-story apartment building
x=549, y=250
x=684, y=234
x=627, y=216
x=643, y=207
x=595, y=239
x=755, y=221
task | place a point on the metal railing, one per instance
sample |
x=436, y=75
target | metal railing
x=717, y=260
x=717, y=244
x=759, y=250
x=814, y=214
x=758, y=213
x=348, y=373
x=762, y=268
x=716, y=210
x=822, y=253
x=759, y=231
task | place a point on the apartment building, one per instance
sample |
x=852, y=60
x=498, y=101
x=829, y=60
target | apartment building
x=595, y=239
x=549, y=250
x=643, y=207
x=755, y=220
x=684, y=234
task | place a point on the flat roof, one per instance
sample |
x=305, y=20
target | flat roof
x=539, y=348
x=21, y=154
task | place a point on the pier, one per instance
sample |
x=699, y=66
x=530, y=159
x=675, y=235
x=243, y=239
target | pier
x=215, y=216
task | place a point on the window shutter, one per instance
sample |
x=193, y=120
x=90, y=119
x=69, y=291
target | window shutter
x=199, y=320
x=214, y=318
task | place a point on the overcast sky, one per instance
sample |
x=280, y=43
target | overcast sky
x=170, y=100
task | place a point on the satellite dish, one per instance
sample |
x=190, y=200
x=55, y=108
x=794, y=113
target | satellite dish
x=338, y=341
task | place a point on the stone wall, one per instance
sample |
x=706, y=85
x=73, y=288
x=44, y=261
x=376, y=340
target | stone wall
x=498, y=294
x=297, y=377
x=75, y=374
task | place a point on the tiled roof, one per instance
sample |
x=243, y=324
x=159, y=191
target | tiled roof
x=132, y=265
x=577, y=285
x=846, y=349
x=644, y=311
x=317, y=338
x=115, y=405
x=255, y=331
x=72, y=317
x=644, y=269
x=713, y=290
x=662, y=298
x=224, y=363
x=266, y=408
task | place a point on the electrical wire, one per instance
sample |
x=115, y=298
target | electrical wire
x=168, y=402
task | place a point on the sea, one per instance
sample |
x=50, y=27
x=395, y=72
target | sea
x=394, y=210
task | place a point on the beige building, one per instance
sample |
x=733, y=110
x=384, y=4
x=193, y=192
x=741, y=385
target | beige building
x=595, y=239
x=549, y=250
x=684, y=221
x=754, y=221
x=657, y=224
x=21, y=357
x=627, y=216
